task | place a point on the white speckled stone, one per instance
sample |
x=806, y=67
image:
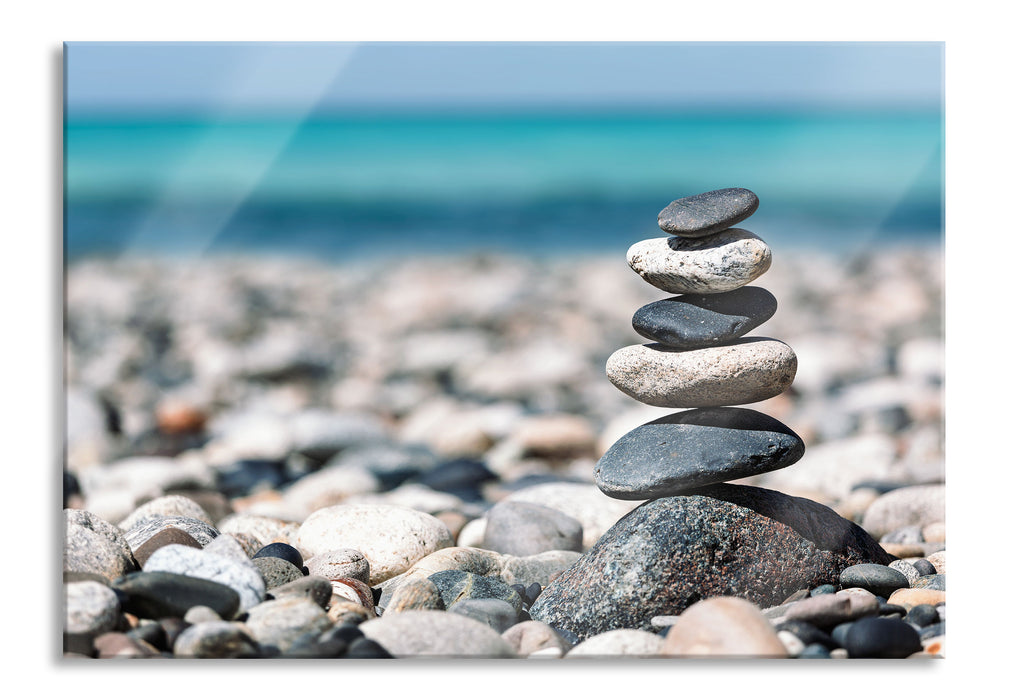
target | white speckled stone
x=393, y=538
x=623, y=642
x=91, y=608
x=741, y=372
x=717, y=263
x=242, y=576
x=910, y=573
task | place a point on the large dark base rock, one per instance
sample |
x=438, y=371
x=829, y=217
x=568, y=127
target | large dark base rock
x=722, y=540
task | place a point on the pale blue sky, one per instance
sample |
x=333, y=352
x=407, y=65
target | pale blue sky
x=284, y=76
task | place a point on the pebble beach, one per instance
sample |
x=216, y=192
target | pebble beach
x=274, y=458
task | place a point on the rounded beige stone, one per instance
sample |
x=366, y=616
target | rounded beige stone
x=723, y=626
x=392, y=538
x=741, y=372
x=718, y=263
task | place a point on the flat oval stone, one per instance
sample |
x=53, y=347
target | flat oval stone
x=340, y=563
x=691, y=321
x=498, y=614
x=157, y=594
x=674, y=454
x=723, y=626
x=709, y=212
x=523, y=529
x=743, y=371
x=721, y=262
x=881, y=638
x=624, y=642
x=392, y=537
x=436, y=633
x=875, y=578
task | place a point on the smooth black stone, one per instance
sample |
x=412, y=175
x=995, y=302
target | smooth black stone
x=364, y=648
x=78, y=643
x=152, y=633
x=71, y=487
x=281, y=550
x=707, y=213
x=312, y=645
x=881, y=638
x=936, y=630
x=807, y=633
x=840, y=632
x=814, y=651
x=533, y=591
x=922, y=615
x=173, y=626
x=246, y=475
x=459, y=477
x=695, y=448
x=347, y=633
x=875, y=578
x=825, y=589
x=724, y=540
x=924, y=567
x=376, y=595
x=156, y=594
x=521, y=590
x=691, y=321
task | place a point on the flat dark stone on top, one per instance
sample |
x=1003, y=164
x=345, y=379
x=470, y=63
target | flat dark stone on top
x=708, y=213
x=691, y=449
x=691, y=321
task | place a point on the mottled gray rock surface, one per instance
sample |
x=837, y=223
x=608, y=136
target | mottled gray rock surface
x=724, y=540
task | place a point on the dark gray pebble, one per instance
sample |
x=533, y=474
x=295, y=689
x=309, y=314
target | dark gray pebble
x=840, y=632
x=313, y=645
x=156, y=594
x=454, y=586
x=494, y=612
x=276, y=572
x=924, y=567
x=933, y=582
x=347, y=633
x=875, y=578
x=533, y=591
x=891, y=609
x=364, y=648
x=922, y=615
x=692, y=321
x=881, y=638
x=814, y=651
x=825, y=589
x=707, y=213
x=153, y=633
x=673, y=454
x=936, y=630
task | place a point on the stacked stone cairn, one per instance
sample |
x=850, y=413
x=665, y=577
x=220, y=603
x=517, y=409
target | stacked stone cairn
x=695, y=536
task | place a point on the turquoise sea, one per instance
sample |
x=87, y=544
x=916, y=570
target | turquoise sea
x=341, y=186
